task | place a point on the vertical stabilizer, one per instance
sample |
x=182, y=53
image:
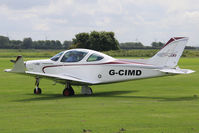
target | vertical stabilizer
x=170, y=54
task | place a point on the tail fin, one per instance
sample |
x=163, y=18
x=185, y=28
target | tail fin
x=170, y=54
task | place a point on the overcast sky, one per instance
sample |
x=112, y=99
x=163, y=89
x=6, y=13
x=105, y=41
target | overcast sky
x=131, y=20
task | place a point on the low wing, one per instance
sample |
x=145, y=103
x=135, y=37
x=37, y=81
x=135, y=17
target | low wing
x=19, y=68
x=60, y=78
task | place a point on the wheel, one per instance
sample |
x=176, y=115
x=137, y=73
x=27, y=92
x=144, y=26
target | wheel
x=37, y=91
x=86, y=90
x=68, y=92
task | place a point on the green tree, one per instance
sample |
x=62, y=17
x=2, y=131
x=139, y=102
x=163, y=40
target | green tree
x=48, y=44
x=15, y=44
x=111, y=42
x=157, y=44
x=81, y=40
x=58, y=44
x=67, y=44
x=94, y=39
x=103, y=41
x=4, y=42
x=100, y=41
x=132, y=45
x=27, y=43
x=40, y=44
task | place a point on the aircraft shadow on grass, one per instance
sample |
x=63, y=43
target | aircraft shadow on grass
x=59, y=96
x=111, y=94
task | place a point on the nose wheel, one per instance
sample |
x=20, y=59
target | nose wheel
x=68, y=91
x=37, y=90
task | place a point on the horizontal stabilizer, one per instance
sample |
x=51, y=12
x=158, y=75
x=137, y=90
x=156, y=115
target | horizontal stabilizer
x=177, y=71
x=19, y=66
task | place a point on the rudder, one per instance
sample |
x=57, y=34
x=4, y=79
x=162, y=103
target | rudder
x=170, y=54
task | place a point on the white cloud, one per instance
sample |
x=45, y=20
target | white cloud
x=145, y=20
x=41, y=27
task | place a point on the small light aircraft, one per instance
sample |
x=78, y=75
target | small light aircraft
x=85, y=67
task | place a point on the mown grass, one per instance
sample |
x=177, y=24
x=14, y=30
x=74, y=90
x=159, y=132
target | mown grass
x=158, y=105
x=117, y=53
x=147, y=53
x=28, y=52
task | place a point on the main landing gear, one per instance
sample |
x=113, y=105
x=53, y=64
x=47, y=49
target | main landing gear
x=68, y=91
x=86, y=90
x=37, y=90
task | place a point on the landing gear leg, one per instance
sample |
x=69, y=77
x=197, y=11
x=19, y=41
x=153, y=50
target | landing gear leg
x=86, y=90
x=37, y=90
x=68, y=91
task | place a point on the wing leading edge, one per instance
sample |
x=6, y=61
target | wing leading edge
x=59, y=78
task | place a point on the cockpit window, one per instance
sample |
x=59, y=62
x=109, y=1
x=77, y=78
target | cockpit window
x=73, y=56
x=57, y=56
x=94, y=57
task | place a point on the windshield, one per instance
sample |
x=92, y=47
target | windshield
x=73, y=56
x=57, y=56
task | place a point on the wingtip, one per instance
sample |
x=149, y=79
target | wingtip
x=7, y=70
x=189, y=71
x=18, y=57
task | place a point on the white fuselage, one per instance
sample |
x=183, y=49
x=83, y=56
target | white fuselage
x=106, y=70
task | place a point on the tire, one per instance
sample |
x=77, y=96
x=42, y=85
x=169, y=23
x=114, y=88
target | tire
x=68, y=92
x=37, y=91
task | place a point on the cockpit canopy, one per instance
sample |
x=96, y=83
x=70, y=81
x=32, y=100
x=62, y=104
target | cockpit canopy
x=76, y=55
x=73, y=56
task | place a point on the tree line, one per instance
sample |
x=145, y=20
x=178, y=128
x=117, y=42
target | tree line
x=28, y=43
x=99, y=41
x=139, y=45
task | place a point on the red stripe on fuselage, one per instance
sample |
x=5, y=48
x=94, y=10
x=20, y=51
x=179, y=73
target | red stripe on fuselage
x=112, y=62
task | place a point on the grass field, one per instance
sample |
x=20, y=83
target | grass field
x=39, y=53
x=159, y=105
